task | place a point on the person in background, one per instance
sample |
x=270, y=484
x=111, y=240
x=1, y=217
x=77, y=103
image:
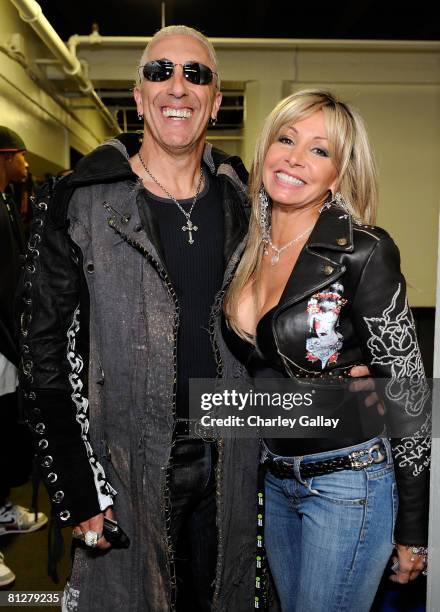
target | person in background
x=15, y=443
x=318, y=290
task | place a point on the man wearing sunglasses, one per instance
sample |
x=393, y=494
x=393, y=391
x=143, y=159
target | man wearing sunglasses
x=127, y=258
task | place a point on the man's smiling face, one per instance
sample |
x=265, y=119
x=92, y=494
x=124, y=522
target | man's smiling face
x=177, y=111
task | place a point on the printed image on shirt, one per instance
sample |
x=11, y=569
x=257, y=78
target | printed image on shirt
x=323, y=308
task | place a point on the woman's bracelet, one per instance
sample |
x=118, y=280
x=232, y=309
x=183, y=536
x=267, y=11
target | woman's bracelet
x=417, y=550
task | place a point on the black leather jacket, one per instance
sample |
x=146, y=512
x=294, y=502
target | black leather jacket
x=345, y=304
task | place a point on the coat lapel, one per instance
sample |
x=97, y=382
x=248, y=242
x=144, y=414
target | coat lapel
x=316, y=267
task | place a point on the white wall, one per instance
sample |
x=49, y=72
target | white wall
x=397, y=90
x=46, y=127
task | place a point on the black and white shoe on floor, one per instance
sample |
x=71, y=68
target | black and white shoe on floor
x=16, y=519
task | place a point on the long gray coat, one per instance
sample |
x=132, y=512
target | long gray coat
x=120, y=363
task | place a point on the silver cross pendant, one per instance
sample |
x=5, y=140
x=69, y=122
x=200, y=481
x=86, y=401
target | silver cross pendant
x=190, y=228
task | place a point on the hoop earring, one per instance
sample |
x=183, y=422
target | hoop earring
x=140, y=116
x=212, y=120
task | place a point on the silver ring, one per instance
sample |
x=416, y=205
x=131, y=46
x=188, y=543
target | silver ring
x=91, y=538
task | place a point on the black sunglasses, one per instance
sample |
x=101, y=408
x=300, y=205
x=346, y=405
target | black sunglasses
x=162, y=70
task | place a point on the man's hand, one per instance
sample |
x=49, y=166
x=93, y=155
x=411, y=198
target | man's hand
x=96, y=523
x=366, y=384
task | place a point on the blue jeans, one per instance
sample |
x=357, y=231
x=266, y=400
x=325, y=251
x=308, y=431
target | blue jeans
x=328, y=538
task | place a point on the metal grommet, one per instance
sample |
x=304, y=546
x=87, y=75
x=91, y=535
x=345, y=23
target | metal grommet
x=342, y=241
x=58, y=497
x=42, y=205
x=31, y=396
x=43, y=444
x=90, y=268
x=52, y=477
x=64, y=515
x=40, y=428
x=27, y=367
x=36, y=412
x=47, y=461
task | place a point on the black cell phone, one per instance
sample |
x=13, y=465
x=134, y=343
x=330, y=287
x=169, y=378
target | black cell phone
x=114, y=534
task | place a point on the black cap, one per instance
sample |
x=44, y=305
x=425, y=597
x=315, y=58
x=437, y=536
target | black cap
x=10, y=141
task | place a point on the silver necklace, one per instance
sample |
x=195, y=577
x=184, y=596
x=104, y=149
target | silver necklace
x=189, y=226
x=278, y=250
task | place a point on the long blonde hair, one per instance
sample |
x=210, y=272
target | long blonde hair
x=351, y=154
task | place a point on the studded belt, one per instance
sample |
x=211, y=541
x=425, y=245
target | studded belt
x=356, y=460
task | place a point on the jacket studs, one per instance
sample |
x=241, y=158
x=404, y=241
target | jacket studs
x=342, y=241
x=328, y=270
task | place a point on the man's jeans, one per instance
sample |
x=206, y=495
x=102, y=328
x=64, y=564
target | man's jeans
x=193, y=522
x=328, y=538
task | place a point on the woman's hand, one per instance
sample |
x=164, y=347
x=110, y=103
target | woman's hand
x=96, y=524
x=410, y=564
x=366, y=384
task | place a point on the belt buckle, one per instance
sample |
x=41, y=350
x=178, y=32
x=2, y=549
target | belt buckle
x=380, y=455
x=359, y=465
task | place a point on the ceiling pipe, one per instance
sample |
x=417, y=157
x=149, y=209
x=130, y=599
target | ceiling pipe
x=262, y=43
x=30, y=12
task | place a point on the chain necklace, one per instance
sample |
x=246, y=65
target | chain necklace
x=277, y=251
x=189, y=226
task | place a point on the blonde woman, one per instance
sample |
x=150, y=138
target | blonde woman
x=318, y=290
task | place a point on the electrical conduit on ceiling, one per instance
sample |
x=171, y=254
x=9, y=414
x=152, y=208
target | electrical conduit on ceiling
x=30, y=12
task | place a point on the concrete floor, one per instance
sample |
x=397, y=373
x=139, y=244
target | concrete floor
x=26, y=554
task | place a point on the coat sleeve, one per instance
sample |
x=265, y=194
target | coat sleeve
x=53, y=373
x=385, y=326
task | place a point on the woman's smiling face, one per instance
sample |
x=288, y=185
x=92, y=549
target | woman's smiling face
x=298, y=170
